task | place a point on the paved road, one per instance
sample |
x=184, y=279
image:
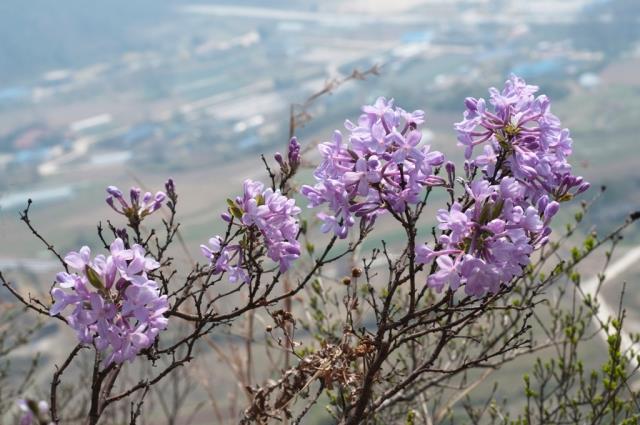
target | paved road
x=606, y=310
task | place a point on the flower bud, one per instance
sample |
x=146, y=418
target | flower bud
x=551, y=209
x=293, y=154
x=450, y=167
x=471, y=103
x=114, y=191
x=135, y=195
x=583, y=187
x=170, y=187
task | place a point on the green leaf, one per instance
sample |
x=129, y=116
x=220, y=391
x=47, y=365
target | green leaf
x=233, y=209
x=485, y=213
x=578, y=216
x=310, y=248
x=497, y=209
x=94, y=278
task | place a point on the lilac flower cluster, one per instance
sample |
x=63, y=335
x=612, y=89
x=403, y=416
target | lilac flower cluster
x=521, y=138
x=114, y=305
x=261, y=213
x=489, y=240
x=488, y=235
x=382, y=166
x=138, y=207
x=33, y=413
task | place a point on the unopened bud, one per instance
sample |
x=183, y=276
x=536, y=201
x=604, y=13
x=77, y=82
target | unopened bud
x=550, y=210
x=135, y=195
x=278, y=158
x=293, y=154
x=450, y=167
x=583, y=187
x=170, y=186
x=471, y=103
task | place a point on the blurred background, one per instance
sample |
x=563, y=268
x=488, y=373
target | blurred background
x=131, y=92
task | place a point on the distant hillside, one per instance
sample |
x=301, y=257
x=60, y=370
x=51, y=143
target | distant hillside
x=610, y=26
x=40, y=35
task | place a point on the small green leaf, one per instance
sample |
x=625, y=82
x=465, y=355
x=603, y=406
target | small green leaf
x=94, y=278
x=497, y=209
x=485, y=213
x=233, y=209
x=589, y=243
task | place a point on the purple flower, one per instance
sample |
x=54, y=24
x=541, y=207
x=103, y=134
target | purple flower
x=32, y=412
x=267, y=219
x=447, y=274
x=138, y=207
x=331, y=223
x=488, y=236
x=78, y=260
x=383, y=166
x=480, y=277
x=523, y=138
x=215, y=246
x=363, y=175
x=113, y=304
x=489, y=240
x=454, y=220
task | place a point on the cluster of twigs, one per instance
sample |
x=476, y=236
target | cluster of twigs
x=424, y=352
